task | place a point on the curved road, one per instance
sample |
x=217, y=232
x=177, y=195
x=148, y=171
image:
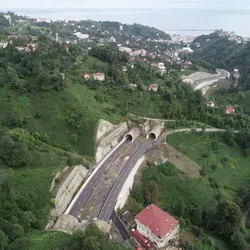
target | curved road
x=109, y=205
x=205, y=83
x=87, y=191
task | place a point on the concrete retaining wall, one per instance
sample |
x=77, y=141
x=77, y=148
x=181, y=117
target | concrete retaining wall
x=69, y=187
x=127, y=187
x=103, y=128
x=109, y=140
x=145, y=127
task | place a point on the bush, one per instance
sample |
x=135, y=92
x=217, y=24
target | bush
x=52, y=203
x=14, y=154
x=168, y=169
x=15, y=120
x=21, y=243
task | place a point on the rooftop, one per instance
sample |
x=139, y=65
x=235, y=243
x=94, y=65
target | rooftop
x=159, y=222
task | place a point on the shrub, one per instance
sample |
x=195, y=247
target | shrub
x=14, y=154
x=168, y=169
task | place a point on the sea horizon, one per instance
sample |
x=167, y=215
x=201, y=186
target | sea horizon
x=182, y=21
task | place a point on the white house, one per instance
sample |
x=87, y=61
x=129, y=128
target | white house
x=43, y=20
x=99, y=76
x=81, y=36
x=3, y=44
x=158, y=226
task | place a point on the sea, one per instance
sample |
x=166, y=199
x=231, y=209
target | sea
x=175, y=21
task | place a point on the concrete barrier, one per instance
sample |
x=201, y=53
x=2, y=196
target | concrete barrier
x=128, y=185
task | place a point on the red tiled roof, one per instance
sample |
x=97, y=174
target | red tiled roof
x=152, y=86
x=159, y=222
x=98, y=74
x=230, y=109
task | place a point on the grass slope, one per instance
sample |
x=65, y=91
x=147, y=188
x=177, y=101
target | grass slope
x=230, y=175
x=175, y=188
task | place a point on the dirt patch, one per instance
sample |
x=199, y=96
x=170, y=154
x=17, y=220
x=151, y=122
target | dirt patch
x=183, y=162
x=178, y=159
x=188, y=237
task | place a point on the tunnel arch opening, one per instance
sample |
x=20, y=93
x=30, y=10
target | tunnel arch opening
x=128, y=137
x=152, y=136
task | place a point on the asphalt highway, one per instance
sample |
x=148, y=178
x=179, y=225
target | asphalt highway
x=108, y=206
x=87, y=191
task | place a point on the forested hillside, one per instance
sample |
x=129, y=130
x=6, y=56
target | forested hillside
x=226, y=54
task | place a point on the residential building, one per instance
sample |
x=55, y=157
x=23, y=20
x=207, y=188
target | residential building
x=153, y=87
x=126, y=49
x=99, y=76
x=124, y=68
x=23, y=48
x=132, y=86
x=43, y=20
x=158, y=226
x=187, y=50
x=236, y=73
x=188, y=63
x=81, y=36
x=112, y=39
x=86, y=76
x=210, y=104
x=32, y=46
x=161, y=68
x=230, y=109
x=3, y=44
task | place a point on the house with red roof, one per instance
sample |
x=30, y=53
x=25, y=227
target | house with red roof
x=153, y=87
x=230, y=109
x=158, y=226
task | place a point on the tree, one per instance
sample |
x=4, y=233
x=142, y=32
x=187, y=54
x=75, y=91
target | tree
x=3, y=240
x=74, y=138
x=15, y=154
x=180, y=209
x=91, y=242
x=197, y=216
x=75, y=241
x=228, y=217
x=244, y=194
x=21, y=243
x=238, y=241
x=152, y=192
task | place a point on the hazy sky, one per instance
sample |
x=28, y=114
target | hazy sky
x=203, y=4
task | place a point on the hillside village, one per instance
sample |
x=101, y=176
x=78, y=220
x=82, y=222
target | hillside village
x=60, y=81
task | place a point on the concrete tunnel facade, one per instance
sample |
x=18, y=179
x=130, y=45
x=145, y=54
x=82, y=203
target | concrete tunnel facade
x=155, y=132
x=132, y=134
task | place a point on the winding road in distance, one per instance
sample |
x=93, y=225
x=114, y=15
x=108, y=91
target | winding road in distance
x=205, y=83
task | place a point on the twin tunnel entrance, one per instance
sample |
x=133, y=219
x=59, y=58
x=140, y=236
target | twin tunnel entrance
x=135, y=132
x=129, y=137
